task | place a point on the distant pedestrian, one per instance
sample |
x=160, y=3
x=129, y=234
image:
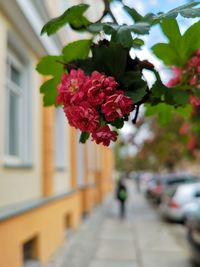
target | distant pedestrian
x=122, y=194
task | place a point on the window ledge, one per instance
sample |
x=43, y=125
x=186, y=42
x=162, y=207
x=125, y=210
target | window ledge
x=10, y=211
x=8, y=165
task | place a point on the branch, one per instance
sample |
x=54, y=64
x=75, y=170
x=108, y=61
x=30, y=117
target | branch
x=136, y=114
x=109, y=11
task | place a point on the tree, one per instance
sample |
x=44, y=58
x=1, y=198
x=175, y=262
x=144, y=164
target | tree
x=99, y=84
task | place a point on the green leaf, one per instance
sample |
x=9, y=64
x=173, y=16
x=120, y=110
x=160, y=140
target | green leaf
x=137, y=43
x=191, y=13
x=84, y=137
x=191, y=40
x=73, y=16
x=173, y=13
x=133, y=13
x=167, y=54
x=171, y=29
x=49, y=89
x=121, y=34
x=76, y=50
x=134, y=86
x=162, y=111
x=118, y=123
x=50, y=65
x=197, y=93
x=186, y=10
x=173, y=54
x=109, y=59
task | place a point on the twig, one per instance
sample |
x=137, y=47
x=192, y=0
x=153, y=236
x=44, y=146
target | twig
x=136, y=114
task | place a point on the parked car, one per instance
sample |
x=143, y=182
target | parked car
x=165, y=182
x=193, y=232
x=175, y=199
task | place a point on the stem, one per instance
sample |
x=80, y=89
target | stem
x=136, y=114
x=108, y=10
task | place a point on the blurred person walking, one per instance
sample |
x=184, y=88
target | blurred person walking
x=122, y=195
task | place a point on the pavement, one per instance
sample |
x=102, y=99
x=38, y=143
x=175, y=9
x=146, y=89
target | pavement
x=141, y=239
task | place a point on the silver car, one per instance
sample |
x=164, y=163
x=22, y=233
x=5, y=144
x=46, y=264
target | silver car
x=175, y=200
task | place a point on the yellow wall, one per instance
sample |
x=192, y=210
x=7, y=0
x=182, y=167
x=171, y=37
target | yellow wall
x=19, y=184
x=47, y=223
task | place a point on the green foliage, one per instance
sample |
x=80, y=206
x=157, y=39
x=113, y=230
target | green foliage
x=49, y=90
x=135, y=87
x=50, y=66
x=110, y=59
x=73, y=16
x=165, y=112
x=84, y=137
x=180, y=47
x=54, y=66
x=76, y=50
x=121, y=34
x=186, y=10
x=118, y=123
x=113, y=57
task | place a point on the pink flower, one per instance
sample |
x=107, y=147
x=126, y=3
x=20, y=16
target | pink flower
x=117, y=105
x=192, y=143
x=193, y=80
x=194, y=63
x=104, y=135
x=83, y=117
x=177, y=77
x=184, y=129
x=98, y=86
x=195, y=101
x=70, y=85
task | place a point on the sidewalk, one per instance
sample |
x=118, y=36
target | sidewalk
x=140, y=240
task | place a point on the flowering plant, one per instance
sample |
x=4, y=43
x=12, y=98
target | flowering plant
x=99, y=84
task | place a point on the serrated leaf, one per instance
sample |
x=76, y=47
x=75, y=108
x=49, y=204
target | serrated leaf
x=173, y=13
x=171, y=29
x=191, y=13
x=50, y=65
x=134, y=86
x=133, y=13
x=191, y=40
x=186, y=10
x=76, y=50
x=73, y=16
x=49, y=89
x=84, y=137
x=121, y=33
x=167, y=54
x=108, y=59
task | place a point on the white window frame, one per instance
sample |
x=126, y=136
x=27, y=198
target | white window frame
x=24, y=157
x=60, y=136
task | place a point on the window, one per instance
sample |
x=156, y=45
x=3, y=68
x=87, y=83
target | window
x=17, y=138
x=60, y=139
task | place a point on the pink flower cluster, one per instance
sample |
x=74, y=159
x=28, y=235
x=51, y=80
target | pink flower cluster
x=189, y=75
x=88, y=99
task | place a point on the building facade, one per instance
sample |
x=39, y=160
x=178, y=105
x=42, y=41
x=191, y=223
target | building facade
x=47, y=179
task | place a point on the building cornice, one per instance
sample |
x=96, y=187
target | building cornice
x=28, y=17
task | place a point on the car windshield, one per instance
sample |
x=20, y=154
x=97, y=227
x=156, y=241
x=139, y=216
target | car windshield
x=180, y=179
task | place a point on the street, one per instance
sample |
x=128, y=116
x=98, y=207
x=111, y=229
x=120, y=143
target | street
x=142, y=239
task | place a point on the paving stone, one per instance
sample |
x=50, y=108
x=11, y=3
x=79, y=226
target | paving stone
x=103, y=263
x=165, y=259
x=116, y=250
x=140, y=240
